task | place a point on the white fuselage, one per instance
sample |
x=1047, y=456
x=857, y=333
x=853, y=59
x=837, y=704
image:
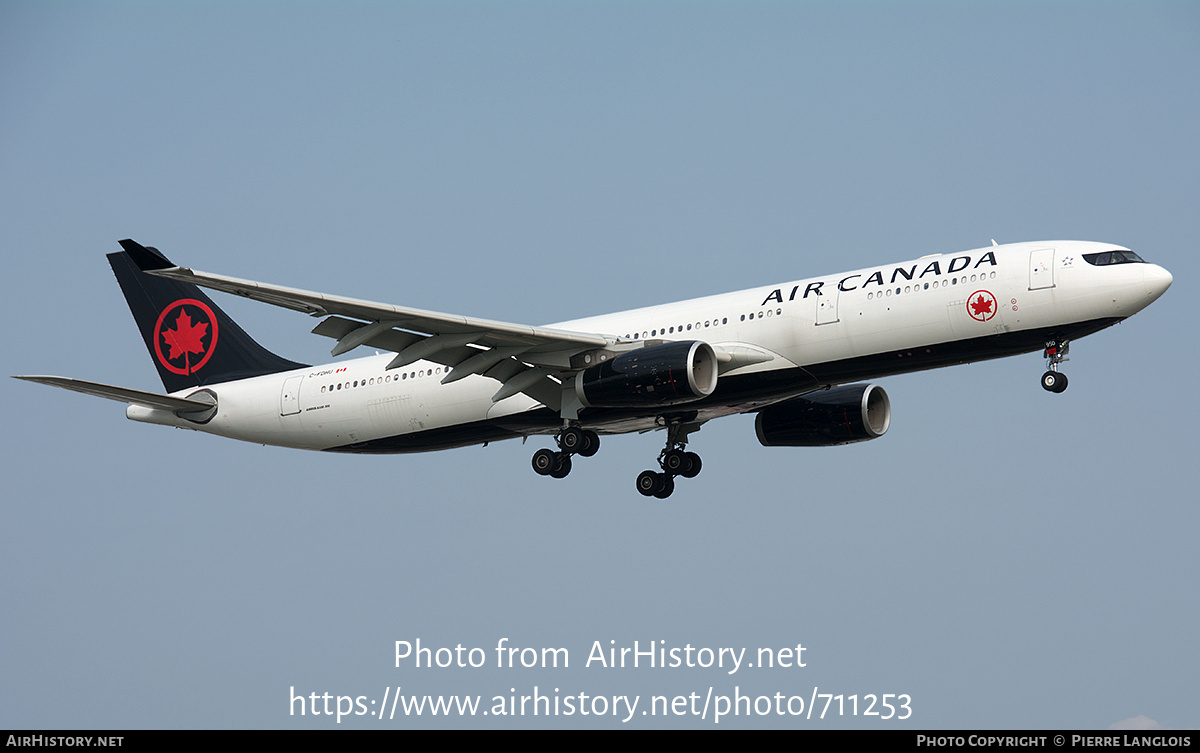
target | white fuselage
x=973, y=305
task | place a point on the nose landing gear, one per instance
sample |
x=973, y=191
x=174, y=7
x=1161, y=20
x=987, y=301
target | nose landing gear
x=1055, y=353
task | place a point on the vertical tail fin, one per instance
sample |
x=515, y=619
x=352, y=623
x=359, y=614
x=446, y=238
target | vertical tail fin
x=191, y=340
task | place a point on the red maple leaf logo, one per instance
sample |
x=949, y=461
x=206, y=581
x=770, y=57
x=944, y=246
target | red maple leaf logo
x=186, y=337
x=979, y=306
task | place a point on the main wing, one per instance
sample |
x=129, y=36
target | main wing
x=524, y=359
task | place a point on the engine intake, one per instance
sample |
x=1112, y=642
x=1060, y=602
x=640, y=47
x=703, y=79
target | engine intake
x=675, y=372
x=853, y=413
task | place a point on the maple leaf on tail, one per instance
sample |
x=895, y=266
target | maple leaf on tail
x=186, y=337
x=981, y=306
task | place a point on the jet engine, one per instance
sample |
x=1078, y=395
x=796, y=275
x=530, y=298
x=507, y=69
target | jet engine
x=674, y=372
x=853, y=413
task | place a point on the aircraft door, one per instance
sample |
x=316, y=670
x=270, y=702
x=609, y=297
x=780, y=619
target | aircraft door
x=1041, y=268
x=289, y=398
x=827, y=306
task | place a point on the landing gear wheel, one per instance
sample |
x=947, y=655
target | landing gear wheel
x=1055, y=354
x=647, y=483
x=692, y=469
x=1054, y=381
x=544, y=462
x=680, y=463
x=571, y=440
x=675, y=462
x=591, y=443
x=563, y=467
x=666, y=485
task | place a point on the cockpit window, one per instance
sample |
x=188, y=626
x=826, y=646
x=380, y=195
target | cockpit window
x=1113, y=257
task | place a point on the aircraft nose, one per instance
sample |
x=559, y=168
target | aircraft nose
x=1157, y=280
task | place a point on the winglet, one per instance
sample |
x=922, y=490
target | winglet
x=146, y=257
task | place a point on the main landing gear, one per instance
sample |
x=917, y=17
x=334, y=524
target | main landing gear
x=571, y=441
x=1055, y=353
x=674, y=461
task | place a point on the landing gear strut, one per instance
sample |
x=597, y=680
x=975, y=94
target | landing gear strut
x=674, y=461
x=1055, y=353
x=571, y=441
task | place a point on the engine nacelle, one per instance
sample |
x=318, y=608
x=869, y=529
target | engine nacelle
x=675, y=372
x=853, y=413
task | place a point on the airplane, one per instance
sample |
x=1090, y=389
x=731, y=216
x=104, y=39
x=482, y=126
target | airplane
x=793, y=353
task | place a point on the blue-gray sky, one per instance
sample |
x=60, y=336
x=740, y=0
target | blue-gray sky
x=1007, y=557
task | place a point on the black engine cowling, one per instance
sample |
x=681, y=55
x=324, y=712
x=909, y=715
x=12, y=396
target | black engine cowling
x=853, y=413
x=676, y=372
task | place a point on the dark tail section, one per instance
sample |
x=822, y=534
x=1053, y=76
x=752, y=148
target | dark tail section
x=191, y=340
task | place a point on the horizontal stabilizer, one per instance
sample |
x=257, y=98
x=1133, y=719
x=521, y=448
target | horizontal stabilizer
x=121, y=394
